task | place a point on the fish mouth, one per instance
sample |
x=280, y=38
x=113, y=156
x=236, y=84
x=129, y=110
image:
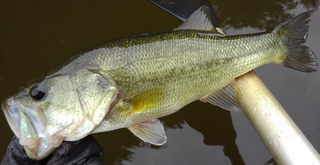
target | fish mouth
x=25, y=127
x=12, y=113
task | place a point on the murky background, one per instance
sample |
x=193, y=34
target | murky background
x=35, y=35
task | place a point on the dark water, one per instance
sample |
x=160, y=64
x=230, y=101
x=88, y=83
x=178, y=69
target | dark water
x=35, y=35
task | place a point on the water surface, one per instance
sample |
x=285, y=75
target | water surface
x=35, y=35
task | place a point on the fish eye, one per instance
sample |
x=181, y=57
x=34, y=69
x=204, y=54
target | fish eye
x=37, y=92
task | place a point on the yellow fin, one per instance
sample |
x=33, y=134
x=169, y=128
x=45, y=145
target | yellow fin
x=146, y=100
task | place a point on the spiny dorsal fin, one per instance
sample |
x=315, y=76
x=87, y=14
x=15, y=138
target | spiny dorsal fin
x=150, y=131
x=225, y=97
x=200, y=20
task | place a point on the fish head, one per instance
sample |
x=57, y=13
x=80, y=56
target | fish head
x=58, y=108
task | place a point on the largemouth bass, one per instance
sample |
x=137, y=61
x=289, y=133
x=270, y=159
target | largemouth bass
x=130, y=82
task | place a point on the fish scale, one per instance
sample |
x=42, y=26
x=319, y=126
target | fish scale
x=184, y=79
x=177, y=64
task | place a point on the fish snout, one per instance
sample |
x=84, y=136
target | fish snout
x=20, y=124
x=12, y=114
x=28, y=124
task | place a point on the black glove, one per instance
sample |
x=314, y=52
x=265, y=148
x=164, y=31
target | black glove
x=86, y=151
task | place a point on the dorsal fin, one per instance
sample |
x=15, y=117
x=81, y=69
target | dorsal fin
x=200, y=20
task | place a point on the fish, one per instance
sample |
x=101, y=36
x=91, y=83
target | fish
x=133, y=81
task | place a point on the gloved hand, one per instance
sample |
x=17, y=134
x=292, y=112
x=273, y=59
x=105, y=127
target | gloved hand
x=86, y=151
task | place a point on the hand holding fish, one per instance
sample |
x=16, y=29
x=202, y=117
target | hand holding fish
x=85, y=151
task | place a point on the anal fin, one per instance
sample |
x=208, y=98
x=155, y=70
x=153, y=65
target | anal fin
x=226, y=97
x=150, y=131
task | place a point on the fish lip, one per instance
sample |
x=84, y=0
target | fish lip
x=9, y=108
x=13, y=111
x=36, y=149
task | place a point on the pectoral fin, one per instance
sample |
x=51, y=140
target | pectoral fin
x=226, y=97
x=150, y=131
x=147, y=100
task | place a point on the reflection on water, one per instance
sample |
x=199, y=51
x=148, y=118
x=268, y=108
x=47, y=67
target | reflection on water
x=267, y=14
x=310, y=4
x=117, y=144
x=216, y=126
x=35, y=36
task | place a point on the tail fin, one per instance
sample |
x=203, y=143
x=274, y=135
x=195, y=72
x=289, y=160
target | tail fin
x=295, y=33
